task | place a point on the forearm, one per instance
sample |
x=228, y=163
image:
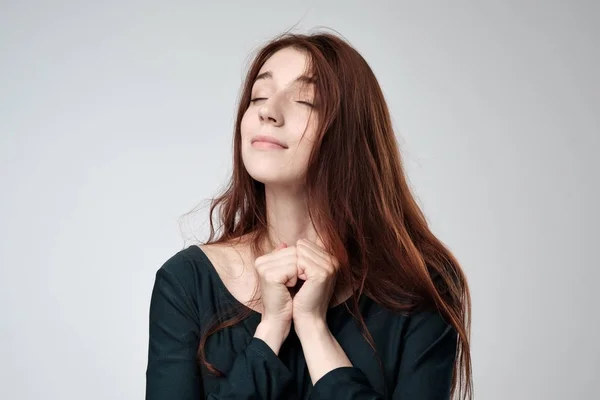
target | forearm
x=322, y=351
x=273, y=334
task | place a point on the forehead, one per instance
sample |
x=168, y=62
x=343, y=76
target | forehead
x=286, y=67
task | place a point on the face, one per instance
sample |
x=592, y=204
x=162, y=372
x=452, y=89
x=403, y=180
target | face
x=281, y=109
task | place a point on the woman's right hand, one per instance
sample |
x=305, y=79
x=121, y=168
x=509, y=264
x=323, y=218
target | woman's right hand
x=277, y=271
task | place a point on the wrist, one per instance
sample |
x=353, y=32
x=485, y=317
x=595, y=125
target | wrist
x=308, y=328
x=273, y=333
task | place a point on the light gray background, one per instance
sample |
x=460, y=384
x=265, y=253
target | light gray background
x=116, y=119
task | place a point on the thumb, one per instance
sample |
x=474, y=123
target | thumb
x=282, y=245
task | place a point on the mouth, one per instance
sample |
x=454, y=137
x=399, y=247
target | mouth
x=261, y=144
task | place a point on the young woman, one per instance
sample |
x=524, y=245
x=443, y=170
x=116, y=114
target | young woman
x=325, y=282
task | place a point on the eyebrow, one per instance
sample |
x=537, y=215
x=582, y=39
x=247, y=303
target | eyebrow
x=301, y=78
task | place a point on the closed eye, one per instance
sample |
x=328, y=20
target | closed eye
x=264, y=98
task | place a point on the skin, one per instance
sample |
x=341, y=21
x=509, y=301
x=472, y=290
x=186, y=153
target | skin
x=281, y=108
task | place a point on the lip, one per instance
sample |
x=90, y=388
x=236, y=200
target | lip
x=268, y=139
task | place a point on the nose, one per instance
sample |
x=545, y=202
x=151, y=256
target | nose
x=268, y=113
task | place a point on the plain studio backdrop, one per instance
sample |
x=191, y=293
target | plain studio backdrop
x=116, y=119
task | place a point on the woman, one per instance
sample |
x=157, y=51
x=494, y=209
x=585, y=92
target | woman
x=326, y=282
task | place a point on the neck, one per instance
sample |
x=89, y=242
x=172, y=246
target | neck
x=287, y=217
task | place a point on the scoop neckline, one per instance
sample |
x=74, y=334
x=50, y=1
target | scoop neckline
x=234, y=299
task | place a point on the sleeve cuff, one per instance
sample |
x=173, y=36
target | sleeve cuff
x=258, y=346
x=338, y=380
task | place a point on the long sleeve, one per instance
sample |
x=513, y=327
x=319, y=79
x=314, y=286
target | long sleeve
x=172, y=372
x=257, y=373
x=425, y=371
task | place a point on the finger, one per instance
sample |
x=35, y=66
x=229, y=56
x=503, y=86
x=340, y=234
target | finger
x=316, y=251
x=268, y=258
x=291, y=282
x=324, y=260
x=281, y=273
x=311, y=267
x=291, y=274
x=279, y=264
x=320, y=250
x=313, y=272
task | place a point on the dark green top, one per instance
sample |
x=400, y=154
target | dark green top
x=417, y=352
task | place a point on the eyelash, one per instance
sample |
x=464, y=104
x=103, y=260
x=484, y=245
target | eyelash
x=263, y=98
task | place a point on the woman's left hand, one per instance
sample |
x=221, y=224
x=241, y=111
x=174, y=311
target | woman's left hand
x=318, y=269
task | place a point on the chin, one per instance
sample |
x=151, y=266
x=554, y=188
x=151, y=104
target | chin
x=270, y=180
x=269, y=170
x=272, y=176
x=265, y=173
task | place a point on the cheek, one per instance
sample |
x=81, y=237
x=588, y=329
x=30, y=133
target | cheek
x=303, y=125
x=306, y=142
x=303, y=148
x=308, y=135
x=246, y=124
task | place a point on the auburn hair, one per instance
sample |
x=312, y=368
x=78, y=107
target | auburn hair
x=358, y=198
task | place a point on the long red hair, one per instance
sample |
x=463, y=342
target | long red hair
x=358, y=198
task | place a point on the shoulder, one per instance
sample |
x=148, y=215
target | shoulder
x=422, y=321
x=427, y=321
x=181, y=264
x=429, y=332
x=185, y=269
x=226, y=259
x=199, y=265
